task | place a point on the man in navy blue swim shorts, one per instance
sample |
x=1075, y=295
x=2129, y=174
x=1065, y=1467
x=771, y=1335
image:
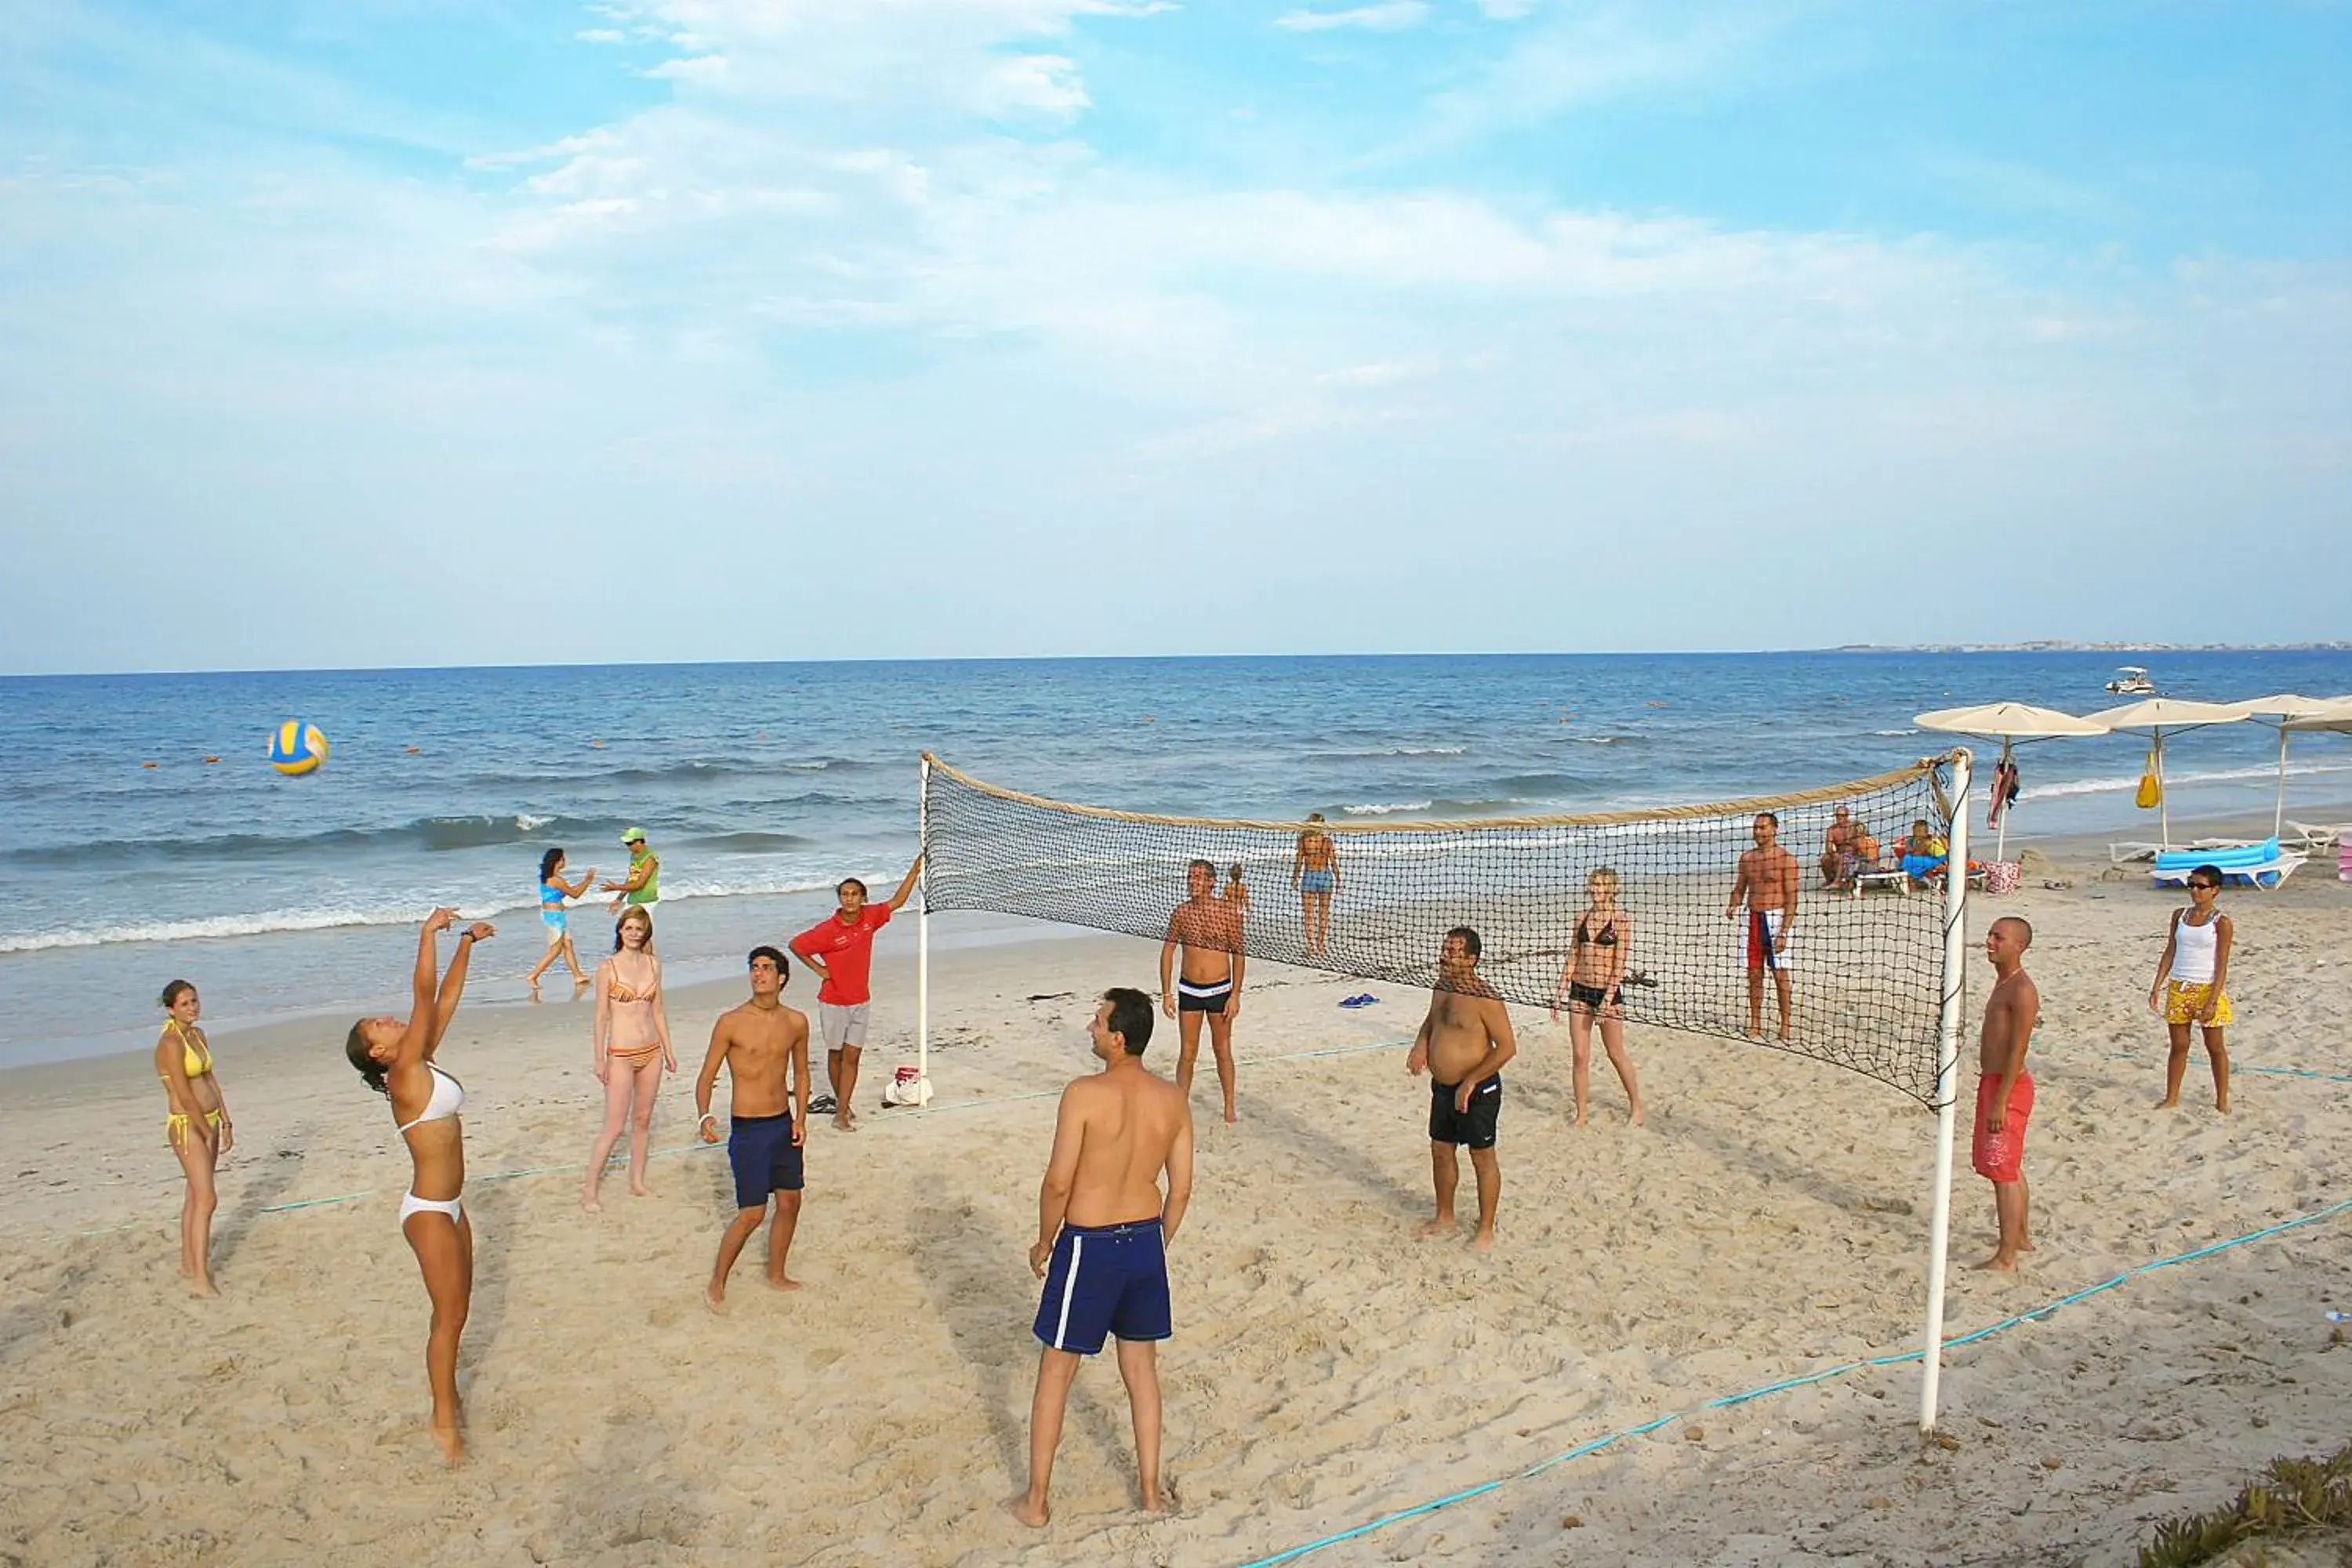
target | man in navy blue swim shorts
x=765, y=1047
x=1103, y=1231
x=1463, y=1043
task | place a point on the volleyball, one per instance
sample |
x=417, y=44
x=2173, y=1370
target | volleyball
x=297, y=748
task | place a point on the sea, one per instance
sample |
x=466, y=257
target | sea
x=147, y=839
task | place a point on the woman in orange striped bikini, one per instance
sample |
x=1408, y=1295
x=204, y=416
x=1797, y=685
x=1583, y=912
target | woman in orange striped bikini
x=629, y=1049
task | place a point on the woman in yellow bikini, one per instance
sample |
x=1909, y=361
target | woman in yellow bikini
x=395, y=1057
x=628, y=1049
x=198, y=1128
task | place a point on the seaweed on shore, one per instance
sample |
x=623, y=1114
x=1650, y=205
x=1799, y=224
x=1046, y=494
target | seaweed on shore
x=2290, y=1497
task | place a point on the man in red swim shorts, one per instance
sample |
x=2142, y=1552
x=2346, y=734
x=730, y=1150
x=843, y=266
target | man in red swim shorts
x=2004, y=1088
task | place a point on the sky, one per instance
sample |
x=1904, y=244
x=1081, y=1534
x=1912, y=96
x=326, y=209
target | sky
x=451, y=331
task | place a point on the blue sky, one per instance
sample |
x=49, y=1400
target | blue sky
x=400, y=332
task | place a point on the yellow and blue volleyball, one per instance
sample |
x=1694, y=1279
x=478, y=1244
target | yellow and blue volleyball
x=296, y=748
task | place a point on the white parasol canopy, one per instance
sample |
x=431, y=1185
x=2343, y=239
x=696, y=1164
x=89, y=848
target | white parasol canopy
x=2008, y=723
x=2289, y=714
x=2152, y=716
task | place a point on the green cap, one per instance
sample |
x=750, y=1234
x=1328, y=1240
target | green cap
x=633, y=836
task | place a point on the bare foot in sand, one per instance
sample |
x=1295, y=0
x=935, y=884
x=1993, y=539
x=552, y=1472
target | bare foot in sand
x=588, y=1201
x=453, y=1444
x=782, y=1282
x=1151, y=1503
x=639, y=1190
x=1641, y=1119
x=843, y=1121
x=1998, y=1264
x=1483, y=1242
x=1033, y=1514
x=1442, y=1226
x=714, y=1302
x=199, y=1285
x=2170, y=1103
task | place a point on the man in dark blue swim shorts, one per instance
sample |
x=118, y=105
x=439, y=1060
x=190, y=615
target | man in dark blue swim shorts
x=765, y=1047
x=1103, y=1232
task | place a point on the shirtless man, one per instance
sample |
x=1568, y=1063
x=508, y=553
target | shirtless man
x=1837, y=848
x=1209, y=931
x=1463, y=1043
x=1767, y=884
x=2004, y=1088
x=1103, y=1231
x=1315, y=873
x=765, y=1047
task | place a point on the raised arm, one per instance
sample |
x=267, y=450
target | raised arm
x=453, y=982
x=416, y=1041
x=587, y=880
x=1180, y=1179
x=907, y=885
x=636, y=878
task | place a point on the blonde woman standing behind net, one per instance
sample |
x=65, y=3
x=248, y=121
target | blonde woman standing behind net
x=1599, y=956
x=628, y=1049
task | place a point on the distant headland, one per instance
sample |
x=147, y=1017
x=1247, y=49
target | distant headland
x=2062, y=645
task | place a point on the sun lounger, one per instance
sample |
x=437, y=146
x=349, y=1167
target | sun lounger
x=2264, y=865
x=2132, y=849
x=2313, y=838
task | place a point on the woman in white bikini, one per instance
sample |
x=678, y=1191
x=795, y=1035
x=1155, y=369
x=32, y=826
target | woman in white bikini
x=1600, y=958
x=628, y=1049
x=197, y=1126
x=395, y=1057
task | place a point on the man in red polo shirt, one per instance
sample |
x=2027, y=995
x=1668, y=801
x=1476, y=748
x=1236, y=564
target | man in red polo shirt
x=841, y=951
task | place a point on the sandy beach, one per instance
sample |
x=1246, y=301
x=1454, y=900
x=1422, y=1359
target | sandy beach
x=1328, y=1368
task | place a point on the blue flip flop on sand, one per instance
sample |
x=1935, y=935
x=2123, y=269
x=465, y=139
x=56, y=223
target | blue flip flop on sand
x=1366, y=1000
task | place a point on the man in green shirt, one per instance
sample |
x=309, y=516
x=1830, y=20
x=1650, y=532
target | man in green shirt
x=642, y=887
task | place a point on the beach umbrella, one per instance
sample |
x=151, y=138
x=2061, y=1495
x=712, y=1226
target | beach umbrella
x=2291, y=714
x=2153, y=717
x=2008, y=723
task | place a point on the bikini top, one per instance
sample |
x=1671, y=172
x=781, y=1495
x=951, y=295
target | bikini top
x=1608, y=937
x=195, y=1057
x=449, y=1099
x=549, y=893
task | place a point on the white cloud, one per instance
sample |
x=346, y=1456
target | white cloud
x=602, y=35
x=1506, y=10
x=1383, y=16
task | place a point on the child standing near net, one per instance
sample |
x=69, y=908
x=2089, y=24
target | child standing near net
x=2191, y=985
x=2004, y=1088
x=1600, y=955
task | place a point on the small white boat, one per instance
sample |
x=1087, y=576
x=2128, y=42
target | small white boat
x=2131, y=680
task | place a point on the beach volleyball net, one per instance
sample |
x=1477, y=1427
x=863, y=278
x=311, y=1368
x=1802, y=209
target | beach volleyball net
x=1868, y=972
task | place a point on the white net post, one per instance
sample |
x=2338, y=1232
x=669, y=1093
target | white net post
x=923, y=940
x=1948, y=1064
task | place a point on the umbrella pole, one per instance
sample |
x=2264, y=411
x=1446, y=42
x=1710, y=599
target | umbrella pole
x=2278, y=816
x=2163, y=800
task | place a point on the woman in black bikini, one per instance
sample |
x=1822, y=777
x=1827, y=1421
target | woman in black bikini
x=1600, y=957
x=395, y=1057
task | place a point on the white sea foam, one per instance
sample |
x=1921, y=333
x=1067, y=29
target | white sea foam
x=333, y=917
x=1385, y=809
x=2121, y=785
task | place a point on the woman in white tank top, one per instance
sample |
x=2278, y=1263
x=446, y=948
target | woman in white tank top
x=395, y=1057
x=2192, y=982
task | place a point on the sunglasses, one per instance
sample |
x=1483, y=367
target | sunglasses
x=2206, y=886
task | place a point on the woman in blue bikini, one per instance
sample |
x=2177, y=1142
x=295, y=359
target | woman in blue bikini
x=1315, y=873
x=552, y=890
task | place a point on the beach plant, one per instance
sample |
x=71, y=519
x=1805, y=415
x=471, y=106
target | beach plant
x=2291, y=1496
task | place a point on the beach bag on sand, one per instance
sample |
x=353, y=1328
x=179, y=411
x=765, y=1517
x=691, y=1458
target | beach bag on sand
x=2003, y=875
x=907, y=1088
x=2150, y=794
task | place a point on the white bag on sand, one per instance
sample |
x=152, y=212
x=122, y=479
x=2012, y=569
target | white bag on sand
x=907, y=1087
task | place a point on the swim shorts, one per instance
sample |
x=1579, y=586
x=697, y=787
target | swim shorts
x=841, y=1026
x=1105, y=1280
x=1472, y=1129
x=765, y=1159
x=1315, y=882
x=1192, y=998
x=2000, y=1156
x=2183, y=999
x=1595, y=997
x=1766, y=948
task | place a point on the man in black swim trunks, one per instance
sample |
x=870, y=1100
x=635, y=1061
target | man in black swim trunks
x=1208, y=930
x=765, y=1047
x=1463, y=1043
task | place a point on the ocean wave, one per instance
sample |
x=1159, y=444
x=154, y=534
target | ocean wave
x=1385, y=809
x=696, y=770
x=1438, y=807
x=388, y=913
x=2121, y=783
x=748, y=842
x=1383, y=754
x=429, y=833
x=1894, y=733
